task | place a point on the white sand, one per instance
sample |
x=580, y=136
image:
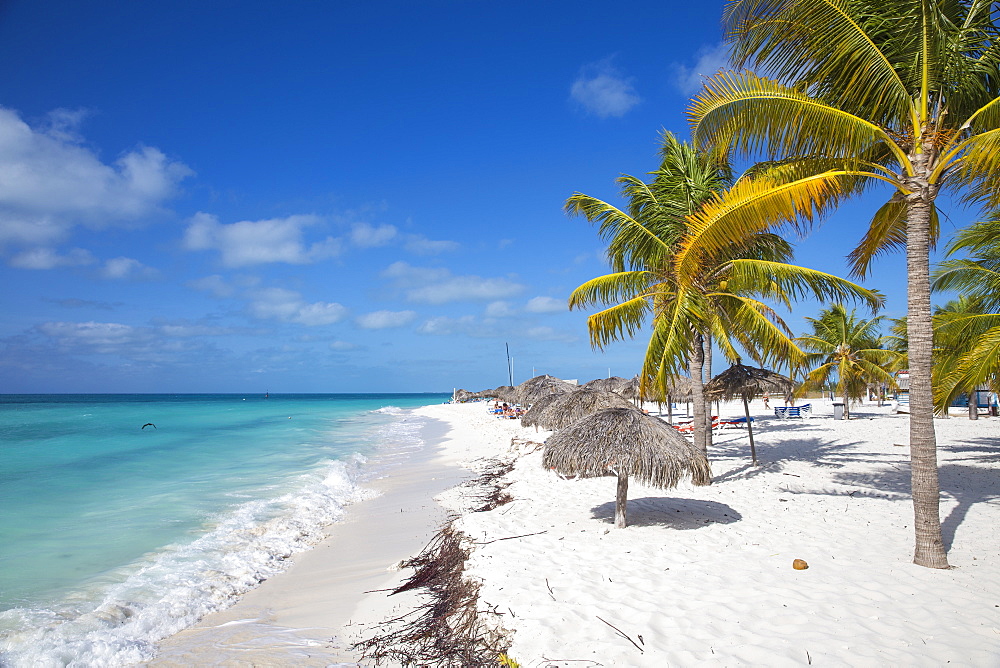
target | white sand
x=702, y=576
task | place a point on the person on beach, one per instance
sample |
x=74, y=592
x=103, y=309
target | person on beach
x=767, y=399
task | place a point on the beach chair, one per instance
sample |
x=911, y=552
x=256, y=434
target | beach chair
x=687, y=427
x=734, y=422
x=783, y=412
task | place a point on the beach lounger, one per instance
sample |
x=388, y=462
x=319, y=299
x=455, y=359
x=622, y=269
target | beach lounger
x=805, y=410
x=687, y=426
x=734, y=422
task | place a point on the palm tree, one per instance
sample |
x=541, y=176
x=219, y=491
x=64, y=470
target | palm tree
x=859, y=93
x=640, y=243
x=717, y=296
x=848, y=350
x=967, y=330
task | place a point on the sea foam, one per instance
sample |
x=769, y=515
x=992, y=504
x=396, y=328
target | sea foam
x=117, y=619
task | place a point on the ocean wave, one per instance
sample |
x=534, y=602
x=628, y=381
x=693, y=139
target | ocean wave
x=118, y=625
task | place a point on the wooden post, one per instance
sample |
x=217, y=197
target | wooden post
x=621, y=500
x=753, y=450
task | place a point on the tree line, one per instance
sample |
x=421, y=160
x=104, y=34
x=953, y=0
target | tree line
x=828, y=100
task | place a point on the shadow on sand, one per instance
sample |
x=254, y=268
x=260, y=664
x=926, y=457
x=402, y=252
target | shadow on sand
x=675, y=513
x=967, y=484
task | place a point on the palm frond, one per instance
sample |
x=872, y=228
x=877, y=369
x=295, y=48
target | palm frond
x=752, y=114
x=827, y=43
x=757, y=276
x=618, y=322
x=610, y=288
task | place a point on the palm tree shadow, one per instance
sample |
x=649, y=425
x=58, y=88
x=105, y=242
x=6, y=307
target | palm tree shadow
x=967, y=484
x=675, y=513
x=817, y=451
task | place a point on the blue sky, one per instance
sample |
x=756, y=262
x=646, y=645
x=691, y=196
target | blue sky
x=330, y=197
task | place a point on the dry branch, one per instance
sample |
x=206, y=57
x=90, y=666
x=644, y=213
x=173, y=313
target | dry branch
x=447, y=629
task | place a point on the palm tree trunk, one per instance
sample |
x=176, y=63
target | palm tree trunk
x=705, y=378
x=695, y=368
x=621, y=501
x=929, y=549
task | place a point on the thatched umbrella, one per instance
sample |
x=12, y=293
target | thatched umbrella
x=504, y=393
x=612, y=384
x=462, y=395
x=562, y=410
x=746, y=382
x=678, y=387
x=534, y=415
x=534, y=388
x=625, y=442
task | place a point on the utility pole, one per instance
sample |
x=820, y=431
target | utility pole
x=510, y=366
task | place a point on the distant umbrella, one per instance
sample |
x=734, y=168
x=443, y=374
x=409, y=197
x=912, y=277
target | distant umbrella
x=462, y=395
x=535, y=388
x=534, y=416
x=630, y=390
x=746, y=382
x=612, y=384
x=625, y=442
x=679, y=387
x=561, y=410
x=505, y=393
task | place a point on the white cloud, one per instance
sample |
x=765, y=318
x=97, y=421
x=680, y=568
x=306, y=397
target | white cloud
x=101, y=336
x=421, y=245
x=214, y=284
x=499, y=309
x=546, y=305
x=184, y=329
x=288, y=306
x=443, y=326
x=711, y=59
x=370, y=236
x=259, y=242
x=320, y=313
x=603, y=91
x=47, y=258
x=406, y=273
x=440, y=286
x=341, y=346
x=50, y=183
x=126, y=268
x=385, y=319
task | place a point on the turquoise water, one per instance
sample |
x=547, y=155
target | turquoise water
x=113, y=536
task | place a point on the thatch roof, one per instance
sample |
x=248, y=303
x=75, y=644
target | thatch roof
x=612, y=384
x=746, y=382
x=623, y=440
x=561, y=410
x=533, y=416
x=463, y=395
x=679, y=387
x=534, y=388
x=505, y=393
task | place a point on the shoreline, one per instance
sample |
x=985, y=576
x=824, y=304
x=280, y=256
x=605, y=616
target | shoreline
x=309, y=614
x=702, y=575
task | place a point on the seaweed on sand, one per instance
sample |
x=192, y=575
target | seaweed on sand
x=447, y=628
x=491, y=486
